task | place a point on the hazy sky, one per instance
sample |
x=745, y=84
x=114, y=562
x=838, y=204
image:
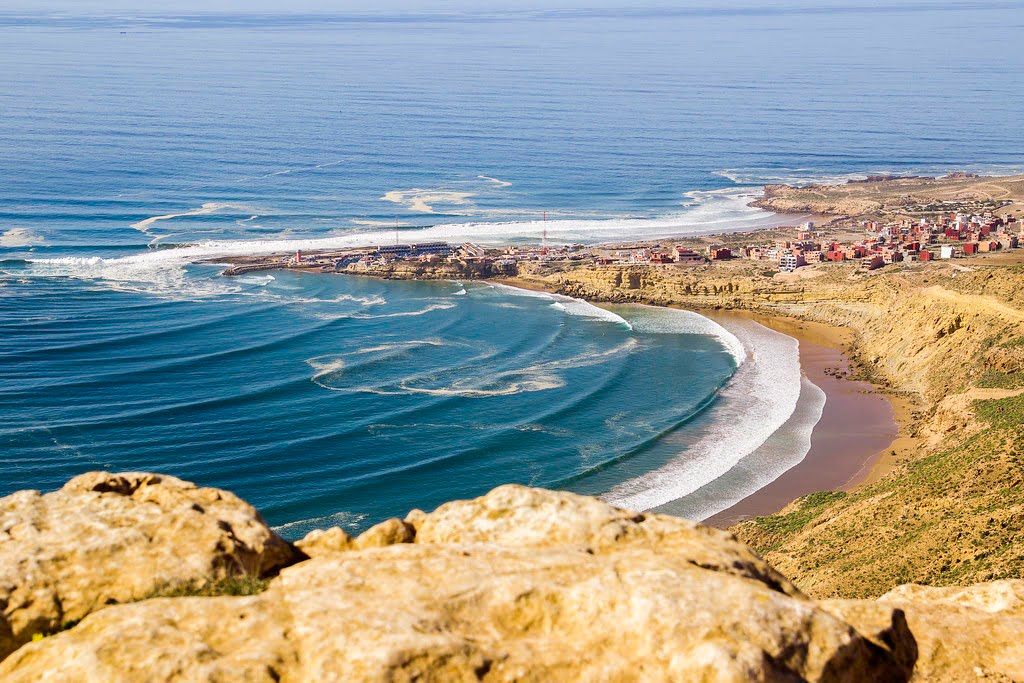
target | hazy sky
x=343, y=6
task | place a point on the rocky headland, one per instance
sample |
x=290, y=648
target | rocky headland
x=115, y=576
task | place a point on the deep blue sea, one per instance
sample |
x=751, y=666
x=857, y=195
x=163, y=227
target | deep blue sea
x=132, y=146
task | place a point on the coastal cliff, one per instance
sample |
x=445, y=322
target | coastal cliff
x=521, y=584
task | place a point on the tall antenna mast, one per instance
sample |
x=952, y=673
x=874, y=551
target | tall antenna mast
x=544, y=243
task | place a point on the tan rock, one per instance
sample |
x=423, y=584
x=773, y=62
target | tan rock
x=388, y=532
x=555, y=587
x=111, y=538
x=526, y=517
x=959, y=634
x=323, y=541
x=335, y=540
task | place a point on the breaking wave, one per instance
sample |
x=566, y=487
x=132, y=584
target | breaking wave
x=756, y=402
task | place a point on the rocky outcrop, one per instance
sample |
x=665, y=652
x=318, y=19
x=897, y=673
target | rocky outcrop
x=520, y=584
x=817, y=199
x=887, y=194
x=113, y=538
x=960, y=634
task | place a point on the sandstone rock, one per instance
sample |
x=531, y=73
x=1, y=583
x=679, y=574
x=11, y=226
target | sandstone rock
x=111, y=538
x=521, y=584
x=334, y=540
x=959, y=634
x=322, y=541
x=388, y=532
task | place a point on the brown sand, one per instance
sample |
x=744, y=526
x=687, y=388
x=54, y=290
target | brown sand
x=858, y=425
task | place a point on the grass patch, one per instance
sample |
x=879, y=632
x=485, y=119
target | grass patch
x=994, y=379
x=1003, y=413
x=811, y=506
x=235, y=585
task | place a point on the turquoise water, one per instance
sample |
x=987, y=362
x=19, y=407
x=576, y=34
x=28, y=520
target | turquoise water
x=343, y=400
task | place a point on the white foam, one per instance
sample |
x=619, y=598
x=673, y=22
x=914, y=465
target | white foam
x=20, y=237
x=423, y=200
x=346, y=520
x=586, y=309
x=808, y=176
x=659, y=320
x=499, y=183
x=568, y=304
x=406, y=314
x=785, y=449
x=789, y=176
x=210, y=207
x=757, y=401
x=260, y=280
x=476, y=379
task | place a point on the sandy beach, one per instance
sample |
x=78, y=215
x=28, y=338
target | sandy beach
x=853, y=440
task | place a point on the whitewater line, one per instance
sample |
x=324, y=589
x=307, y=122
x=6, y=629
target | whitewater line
x=756, y=402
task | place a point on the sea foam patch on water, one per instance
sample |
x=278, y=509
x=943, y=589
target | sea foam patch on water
x=756, y=402
x=346, y=520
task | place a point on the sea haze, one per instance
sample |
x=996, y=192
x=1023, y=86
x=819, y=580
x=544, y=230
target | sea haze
x=134, y=145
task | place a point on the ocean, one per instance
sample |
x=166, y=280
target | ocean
x=134, y=146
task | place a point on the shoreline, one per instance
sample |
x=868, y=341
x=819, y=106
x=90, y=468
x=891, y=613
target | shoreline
x=862, y=433
x=860, y=423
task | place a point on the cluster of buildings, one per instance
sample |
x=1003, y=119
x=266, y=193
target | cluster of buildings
x=665, y=255
x=946, y=236
x=435, y=252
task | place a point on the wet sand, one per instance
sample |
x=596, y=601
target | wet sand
x=857, y=428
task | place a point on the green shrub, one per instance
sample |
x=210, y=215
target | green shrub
x=1001, y=412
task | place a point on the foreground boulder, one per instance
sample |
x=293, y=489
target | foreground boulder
x=960, y=634
x=522, y=584
x=114, y=538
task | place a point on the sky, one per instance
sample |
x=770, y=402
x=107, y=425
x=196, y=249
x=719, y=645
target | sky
x=397, y=6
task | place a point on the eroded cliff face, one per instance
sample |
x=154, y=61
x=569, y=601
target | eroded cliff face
x=521, y=584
